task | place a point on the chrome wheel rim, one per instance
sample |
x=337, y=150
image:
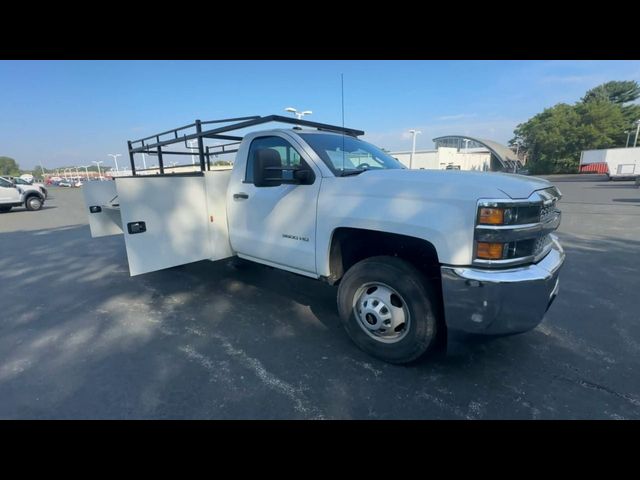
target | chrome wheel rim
x=381, y=312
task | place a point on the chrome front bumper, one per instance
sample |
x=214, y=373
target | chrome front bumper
x=497, y=302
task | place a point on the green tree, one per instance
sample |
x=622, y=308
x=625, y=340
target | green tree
x=8, y=166
x=554, y=138
x=621, y=93
x=550, y=139
x=614, y=92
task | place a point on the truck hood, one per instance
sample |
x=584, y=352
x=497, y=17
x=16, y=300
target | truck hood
x=482, y=183
x=28, y=188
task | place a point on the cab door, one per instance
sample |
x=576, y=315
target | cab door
x=276, y=224
x=8, y=192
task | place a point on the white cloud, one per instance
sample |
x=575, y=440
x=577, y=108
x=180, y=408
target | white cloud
x=571, y=79
x=458, y=116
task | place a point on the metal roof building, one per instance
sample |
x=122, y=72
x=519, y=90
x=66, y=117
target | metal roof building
x=502, y=157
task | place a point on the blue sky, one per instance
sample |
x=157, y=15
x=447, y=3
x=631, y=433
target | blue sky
x=76, y=112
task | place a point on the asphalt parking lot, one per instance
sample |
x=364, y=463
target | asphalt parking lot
x=79, y=338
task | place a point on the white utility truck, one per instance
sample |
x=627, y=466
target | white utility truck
x=414, y=253
x=19, y=195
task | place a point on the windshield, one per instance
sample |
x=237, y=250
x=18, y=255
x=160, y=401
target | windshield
x=346, y=155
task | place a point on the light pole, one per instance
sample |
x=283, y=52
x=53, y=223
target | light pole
x=86, y=170
x=99, y=173
x=635, y=142
x=628, y=132
x=413, y=148
x=191, y=147
x=144, y=163
x=466, y=145
x=115, y=159
x=298, y=114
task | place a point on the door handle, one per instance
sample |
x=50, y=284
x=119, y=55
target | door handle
x=240, y=196
x=136, y=227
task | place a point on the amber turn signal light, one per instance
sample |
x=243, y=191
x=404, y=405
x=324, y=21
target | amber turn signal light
x=489, y=251
x=491, y=216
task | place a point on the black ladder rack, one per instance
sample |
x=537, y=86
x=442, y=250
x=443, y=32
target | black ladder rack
x=219, y=133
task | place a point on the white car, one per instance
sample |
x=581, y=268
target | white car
x=12, y=195
x=25, y=182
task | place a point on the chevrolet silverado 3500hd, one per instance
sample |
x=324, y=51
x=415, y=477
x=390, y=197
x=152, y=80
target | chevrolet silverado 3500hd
x=414, y=253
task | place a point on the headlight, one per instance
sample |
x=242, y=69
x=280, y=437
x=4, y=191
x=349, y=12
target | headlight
x=509, y=232
x=490, y=251
x=496, y=216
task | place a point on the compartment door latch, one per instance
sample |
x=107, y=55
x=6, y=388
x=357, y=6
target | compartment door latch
x=136, y=227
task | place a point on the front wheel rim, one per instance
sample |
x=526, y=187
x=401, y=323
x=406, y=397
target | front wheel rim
x=381, y=312
x=35, y=203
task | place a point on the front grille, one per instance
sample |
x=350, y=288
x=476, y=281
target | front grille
x=531, y=247
x=540, y=245
x=527, y=236
x=547, y=211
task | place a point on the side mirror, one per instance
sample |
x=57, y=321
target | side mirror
x=303, y=176
x=264, y=161
x=268, y=171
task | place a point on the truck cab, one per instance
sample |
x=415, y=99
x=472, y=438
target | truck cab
x=413, y=253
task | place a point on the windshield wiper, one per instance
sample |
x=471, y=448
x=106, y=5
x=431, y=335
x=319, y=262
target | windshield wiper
x=346, y=173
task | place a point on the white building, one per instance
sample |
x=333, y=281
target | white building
x=462, y=153
x=446, y=157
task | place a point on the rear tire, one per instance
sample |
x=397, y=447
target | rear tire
x=387, y=290
x=33, y=203
x=5, y=209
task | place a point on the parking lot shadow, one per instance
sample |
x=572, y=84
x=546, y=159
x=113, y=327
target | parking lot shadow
x=626, y=200
x=575, y=177
x=80, y=338
x=615, y=186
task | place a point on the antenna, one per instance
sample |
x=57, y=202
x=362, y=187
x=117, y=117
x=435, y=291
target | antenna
x=342, y=91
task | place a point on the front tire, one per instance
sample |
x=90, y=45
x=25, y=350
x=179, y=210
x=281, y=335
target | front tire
x=388, y=309
x=33, y=203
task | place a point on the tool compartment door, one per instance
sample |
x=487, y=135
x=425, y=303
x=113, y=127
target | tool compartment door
x=101, y=202
x=165, y=221
x=216, y=183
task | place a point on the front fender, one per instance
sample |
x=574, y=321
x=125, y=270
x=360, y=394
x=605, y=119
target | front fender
x=447, y=225
x=32, y=193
